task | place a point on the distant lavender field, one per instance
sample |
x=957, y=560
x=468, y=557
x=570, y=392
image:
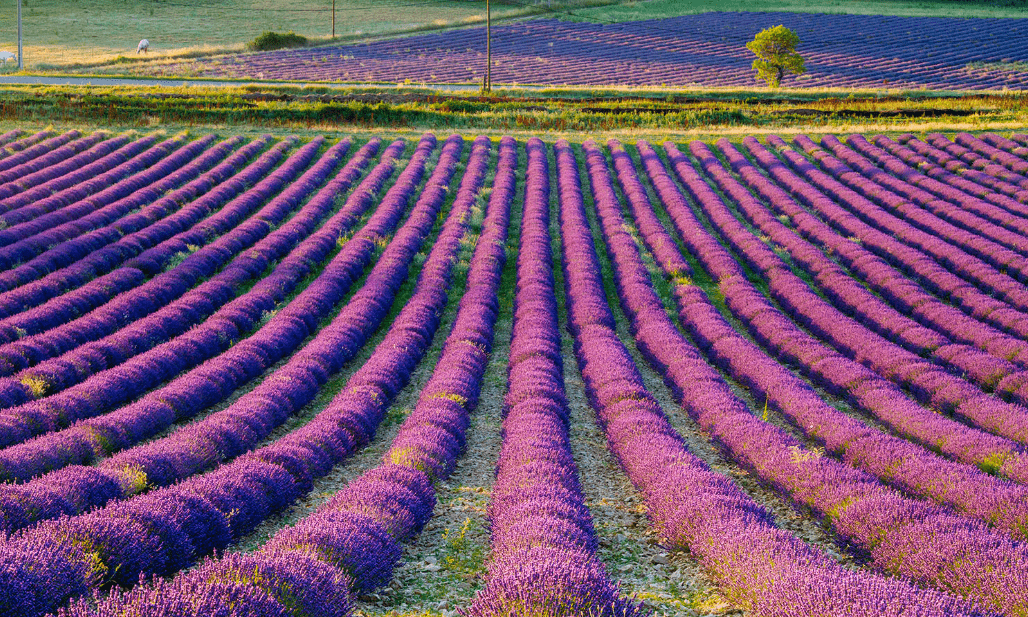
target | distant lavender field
x=702, y=50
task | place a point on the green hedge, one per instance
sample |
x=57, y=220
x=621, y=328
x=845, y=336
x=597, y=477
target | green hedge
x=276, y=40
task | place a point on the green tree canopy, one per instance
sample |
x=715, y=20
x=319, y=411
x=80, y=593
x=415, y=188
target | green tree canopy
x=776, y=53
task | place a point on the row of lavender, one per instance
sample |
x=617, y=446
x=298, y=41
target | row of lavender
x=206, y=512
x=768, y=570
x=704, y=49
x=86, y=487
x=899, y=534
x=352, y=541
x=896, y=464
x=163, y=530
x=545, y=561
x=83, y=552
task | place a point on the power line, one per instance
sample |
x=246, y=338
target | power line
x=328, y=9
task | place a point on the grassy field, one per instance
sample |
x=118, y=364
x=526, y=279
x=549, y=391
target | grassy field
x=58, y=33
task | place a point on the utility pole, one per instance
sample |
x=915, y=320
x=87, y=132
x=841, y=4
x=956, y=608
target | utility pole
x=333, y=18
x=488, y=47
x=20, y=64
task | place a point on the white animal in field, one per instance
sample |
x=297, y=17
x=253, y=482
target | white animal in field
x=143, y=46
x=6, y=55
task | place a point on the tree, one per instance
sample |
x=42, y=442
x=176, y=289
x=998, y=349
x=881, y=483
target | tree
x=776, y=53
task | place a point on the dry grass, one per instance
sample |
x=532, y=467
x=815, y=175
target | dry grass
x=707, y=134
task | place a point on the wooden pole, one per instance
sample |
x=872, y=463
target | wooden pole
x=21, y=65
x=333, y=18
x=488, y=47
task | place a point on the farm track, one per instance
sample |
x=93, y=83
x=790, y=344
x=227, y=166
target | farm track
x=353, y=465
x=70, y=80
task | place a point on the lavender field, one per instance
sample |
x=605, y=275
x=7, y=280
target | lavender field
x=263, y=376
x=708, y=49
